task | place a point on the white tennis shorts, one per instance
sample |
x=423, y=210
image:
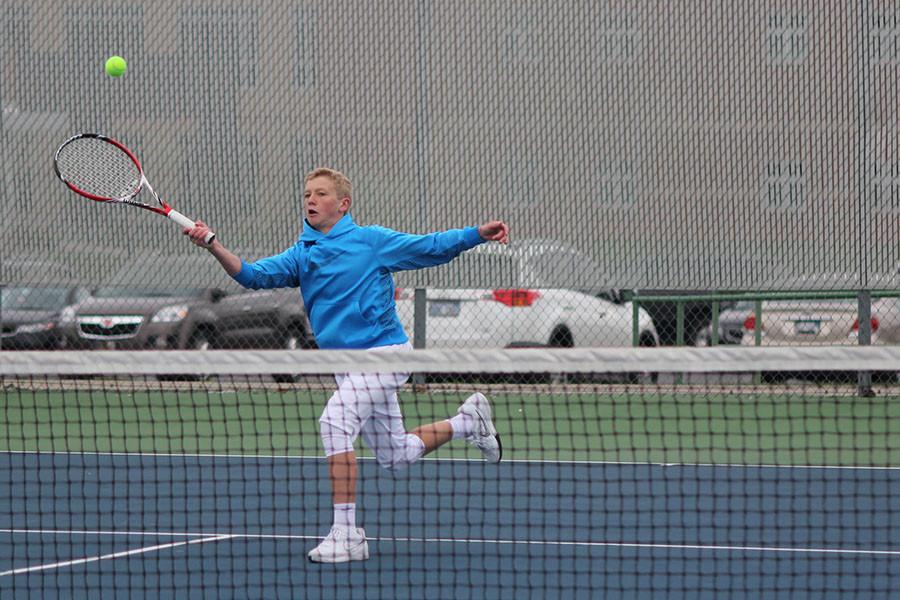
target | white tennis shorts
x=366, y=403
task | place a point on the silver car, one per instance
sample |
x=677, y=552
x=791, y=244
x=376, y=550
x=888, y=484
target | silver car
x=821, y=322
x=731, y=325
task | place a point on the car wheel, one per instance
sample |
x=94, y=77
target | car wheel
x=294, y=339
x=561, y=338
x=644, y=377
x=292, y=342
x=884, y=377
x=775, y=377
x=703, y=339
x=199, y=340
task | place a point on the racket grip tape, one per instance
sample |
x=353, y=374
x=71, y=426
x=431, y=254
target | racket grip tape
x=186, y=222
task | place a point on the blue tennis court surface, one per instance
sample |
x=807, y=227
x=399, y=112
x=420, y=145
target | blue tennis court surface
x=103, y=525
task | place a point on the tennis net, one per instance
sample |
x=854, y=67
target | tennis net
x=716, y=472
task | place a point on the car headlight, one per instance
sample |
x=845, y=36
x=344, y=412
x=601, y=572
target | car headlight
x=170, y=314
x=67, y=315
x=35, y=327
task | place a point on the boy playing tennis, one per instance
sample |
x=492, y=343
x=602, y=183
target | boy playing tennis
x=344, y=274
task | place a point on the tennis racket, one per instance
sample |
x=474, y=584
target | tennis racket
x=102, y=169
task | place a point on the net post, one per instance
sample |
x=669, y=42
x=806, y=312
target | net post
x=716, y=309
x=757, y=334
x=420, y=309
x=864, y=314
x=635, y=326
x=679, y=333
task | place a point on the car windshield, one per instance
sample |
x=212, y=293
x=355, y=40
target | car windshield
x=533, y=264
x=475, y=269
x=127, y=292
x=562, y=269
x=29, y=298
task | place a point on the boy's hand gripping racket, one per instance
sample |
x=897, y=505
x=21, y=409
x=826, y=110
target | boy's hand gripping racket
x=102, y=169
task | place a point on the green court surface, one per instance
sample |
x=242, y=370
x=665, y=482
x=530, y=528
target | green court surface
x=779, y=426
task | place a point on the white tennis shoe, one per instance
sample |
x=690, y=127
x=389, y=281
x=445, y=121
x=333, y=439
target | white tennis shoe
x=342, y=544
x=484, y=434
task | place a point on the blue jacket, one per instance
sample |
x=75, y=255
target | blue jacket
x=345, y=277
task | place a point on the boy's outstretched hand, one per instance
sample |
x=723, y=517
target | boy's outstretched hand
x=494, y=231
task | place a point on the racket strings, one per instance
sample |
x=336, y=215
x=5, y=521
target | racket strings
x=98, y=168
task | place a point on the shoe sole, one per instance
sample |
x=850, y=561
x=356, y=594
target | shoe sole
x=365, y=556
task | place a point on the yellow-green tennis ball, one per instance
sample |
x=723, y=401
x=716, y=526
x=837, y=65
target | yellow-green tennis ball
x=115, y=66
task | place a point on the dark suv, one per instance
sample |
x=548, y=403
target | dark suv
x=188, y=318
x=30, y=315
x=263, y=319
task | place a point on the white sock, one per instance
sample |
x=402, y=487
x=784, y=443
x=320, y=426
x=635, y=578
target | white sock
x=462, y=425
x=345, y=515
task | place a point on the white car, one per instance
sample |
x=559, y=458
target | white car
x=537, y=313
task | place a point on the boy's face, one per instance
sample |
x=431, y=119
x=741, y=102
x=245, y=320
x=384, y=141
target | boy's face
x=321, y=204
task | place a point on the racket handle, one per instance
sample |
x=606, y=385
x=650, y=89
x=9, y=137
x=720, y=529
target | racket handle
x=186, y=222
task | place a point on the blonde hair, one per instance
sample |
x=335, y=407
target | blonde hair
x=341, y=183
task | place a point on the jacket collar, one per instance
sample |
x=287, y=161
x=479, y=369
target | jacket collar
x=311, y=234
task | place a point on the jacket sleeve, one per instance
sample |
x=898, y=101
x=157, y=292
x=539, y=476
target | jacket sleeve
x=279, y=271
x=398, y=251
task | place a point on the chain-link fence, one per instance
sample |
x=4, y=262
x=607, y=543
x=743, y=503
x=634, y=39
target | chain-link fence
x=673, y=173
x=659, y=147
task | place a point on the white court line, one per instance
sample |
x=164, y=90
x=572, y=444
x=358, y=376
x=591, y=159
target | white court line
x=89, y=559
x=438, y=459
x=264, y=536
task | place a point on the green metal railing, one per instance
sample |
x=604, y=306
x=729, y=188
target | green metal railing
x=716, y=299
